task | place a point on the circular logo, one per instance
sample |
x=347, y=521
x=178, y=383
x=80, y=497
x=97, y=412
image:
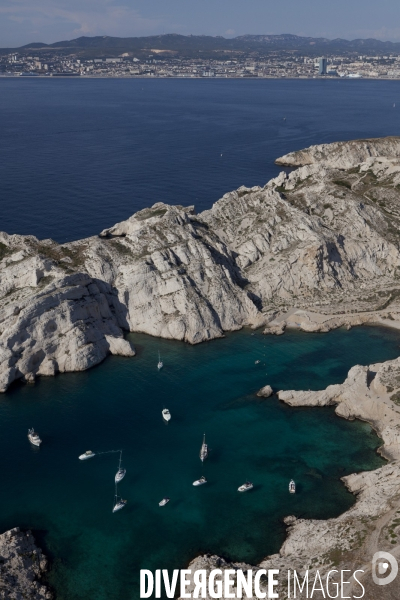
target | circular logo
x=384, y=568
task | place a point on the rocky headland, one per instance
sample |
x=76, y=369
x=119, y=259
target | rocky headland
x=22, y=567
x=315, y=248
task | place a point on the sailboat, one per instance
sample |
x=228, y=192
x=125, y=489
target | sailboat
x=119, y=503
x=203, y=449
x=120, y=474
x=160, y=363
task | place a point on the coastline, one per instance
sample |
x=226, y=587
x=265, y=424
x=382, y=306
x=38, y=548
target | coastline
x=350, y=540
x=201, y=275
x=302, y=78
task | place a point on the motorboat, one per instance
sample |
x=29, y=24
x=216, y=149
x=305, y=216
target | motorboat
x=257, y=362
x=163, y=502
x=86, y=455
x=160, y=363
x=166, y=414
x=200, y=481
x=203, y=449
x=120, y=474
x=33, y=437
x=292, y=487
x=246, y=487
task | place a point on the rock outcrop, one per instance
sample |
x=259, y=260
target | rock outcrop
x=265, y=391
x=22, y=566
x=342, y=155
x=322, y=241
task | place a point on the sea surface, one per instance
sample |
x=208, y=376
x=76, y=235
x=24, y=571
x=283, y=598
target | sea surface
x=210, y=388
x=77, y=156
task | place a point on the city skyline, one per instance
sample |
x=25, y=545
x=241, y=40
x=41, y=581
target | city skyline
x=49, y=21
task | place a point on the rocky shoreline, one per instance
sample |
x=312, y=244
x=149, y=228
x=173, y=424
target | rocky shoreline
x=322, y=239
x=371, y=394
x=22, y=567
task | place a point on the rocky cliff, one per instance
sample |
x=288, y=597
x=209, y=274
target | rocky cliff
x=22, y=566
x=325, y=236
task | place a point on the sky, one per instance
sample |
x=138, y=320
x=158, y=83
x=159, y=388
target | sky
x=25, y=21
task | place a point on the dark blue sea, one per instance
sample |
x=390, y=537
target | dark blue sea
x=78, y=156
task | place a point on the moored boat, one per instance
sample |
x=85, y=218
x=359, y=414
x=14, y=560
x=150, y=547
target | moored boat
x=120, y=474
x=119, y=505
x=200, y=481
x=33, y=437
x=246, y=487
x=86, y=455
x=292, y=487
x=166, y=414
x=163, y=502
x=203, y=449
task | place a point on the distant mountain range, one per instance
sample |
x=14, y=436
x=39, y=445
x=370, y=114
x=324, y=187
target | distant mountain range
x=190, y=45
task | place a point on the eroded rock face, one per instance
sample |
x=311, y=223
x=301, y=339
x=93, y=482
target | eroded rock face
x=321, y=236
x=50, y=321
x=22, y=566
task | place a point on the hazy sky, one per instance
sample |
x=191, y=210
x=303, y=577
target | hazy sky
x=24, y=21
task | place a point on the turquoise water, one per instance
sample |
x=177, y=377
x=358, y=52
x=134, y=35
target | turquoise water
x=208, y=388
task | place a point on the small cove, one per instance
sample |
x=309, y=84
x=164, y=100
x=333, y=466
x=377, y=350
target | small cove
x=208, y=388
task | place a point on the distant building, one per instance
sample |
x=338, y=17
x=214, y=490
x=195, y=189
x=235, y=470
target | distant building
x=323, y=65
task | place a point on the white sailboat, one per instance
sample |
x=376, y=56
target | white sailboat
x=203, y=449
x=292, y=487
x=86, y=455
x=166, y=414
x=120, y=474
x=160, y=363
x=33, y=437
x=119, y=503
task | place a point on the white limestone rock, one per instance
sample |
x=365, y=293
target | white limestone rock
x=343, y=155
x=316, y=236
x=265, y=392
x=22, y=567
